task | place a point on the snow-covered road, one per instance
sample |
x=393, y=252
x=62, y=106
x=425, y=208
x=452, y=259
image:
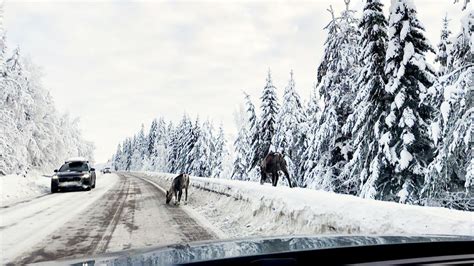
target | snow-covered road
x=124, y=211
x=128, y=211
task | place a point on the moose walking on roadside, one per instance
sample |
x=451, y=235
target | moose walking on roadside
x=176, y=189
x=273, y=163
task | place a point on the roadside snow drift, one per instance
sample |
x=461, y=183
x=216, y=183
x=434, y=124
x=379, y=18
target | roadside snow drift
x=16, y=188
x=243, y=209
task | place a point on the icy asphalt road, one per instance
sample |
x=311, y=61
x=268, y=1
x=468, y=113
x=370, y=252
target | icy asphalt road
x=123, y=212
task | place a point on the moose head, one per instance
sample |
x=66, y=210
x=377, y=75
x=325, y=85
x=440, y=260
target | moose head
x=169, y=196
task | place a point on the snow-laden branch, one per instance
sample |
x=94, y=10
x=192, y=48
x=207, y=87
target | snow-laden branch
x=454, y=72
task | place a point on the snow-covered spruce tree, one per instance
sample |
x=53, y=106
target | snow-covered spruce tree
x=445, y=58
x=135, y=161
x=405, y=148
x=226, y=161
x=117, y=159
x=139, y=145
x=461, y=52
x=329, y=45
x=241, y=146
x=173, y=148
x=169, y=147
x=266, y=129
x=126, y=154
x=190, y=139
x=182, y=127
x=143, y=149
x=186, y=137
x=308, y=130
x=182, y=130
x=254, y=133
x=202, y=152
x=159, y=154
x=129, y=151
x=369, y=101
x=220, y=152
x=452, y=168
x=151, y=138
x=443, y=46
x=119, y=163
x=239, y=171
x=331, y=148
x=191, y=160
x=155, y=144
x=288, y=132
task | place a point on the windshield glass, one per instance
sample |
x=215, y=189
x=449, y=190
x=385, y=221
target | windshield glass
x=74, y=167
x=186, y=121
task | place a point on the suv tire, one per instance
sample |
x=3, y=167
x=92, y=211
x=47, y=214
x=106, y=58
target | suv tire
x=54, y=188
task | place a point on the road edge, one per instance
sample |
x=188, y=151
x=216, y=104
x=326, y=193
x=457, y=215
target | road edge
x=200, y=219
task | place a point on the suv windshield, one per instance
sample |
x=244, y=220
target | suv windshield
x=74, y=167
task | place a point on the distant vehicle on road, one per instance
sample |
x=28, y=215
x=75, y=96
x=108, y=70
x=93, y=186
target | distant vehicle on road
x=106, y=170
x=74, y=173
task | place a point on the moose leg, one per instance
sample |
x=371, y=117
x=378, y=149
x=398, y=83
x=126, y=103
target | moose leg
x=180, y=193
x=186, y=194
x=175, y=197
x=263, y=176
x=274, y=178
x=287, y=177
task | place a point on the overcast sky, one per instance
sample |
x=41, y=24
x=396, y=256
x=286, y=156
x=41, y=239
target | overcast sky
x=118, y=64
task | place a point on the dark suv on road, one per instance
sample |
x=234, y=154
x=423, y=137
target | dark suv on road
x=74, y=173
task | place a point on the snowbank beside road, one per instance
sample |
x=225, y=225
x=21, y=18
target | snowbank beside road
x=243, y=209
x=16, y=188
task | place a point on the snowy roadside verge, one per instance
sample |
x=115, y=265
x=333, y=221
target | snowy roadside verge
x=15, y=188
x=242, y=209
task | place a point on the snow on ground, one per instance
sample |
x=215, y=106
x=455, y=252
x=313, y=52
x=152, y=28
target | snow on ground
x=14, y=188
x=26, y=224
x=242, y=209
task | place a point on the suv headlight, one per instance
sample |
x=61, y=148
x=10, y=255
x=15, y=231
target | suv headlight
x=86, y=175
x=54, y=177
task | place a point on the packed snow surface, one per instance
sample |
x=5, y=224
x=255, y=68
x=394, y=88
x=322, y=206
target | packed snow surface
x=243, y=209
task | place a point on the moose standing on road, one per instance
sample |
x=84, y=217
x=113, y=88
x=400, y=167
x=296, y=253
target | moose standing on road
x=176, y=189
x=273, y=163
